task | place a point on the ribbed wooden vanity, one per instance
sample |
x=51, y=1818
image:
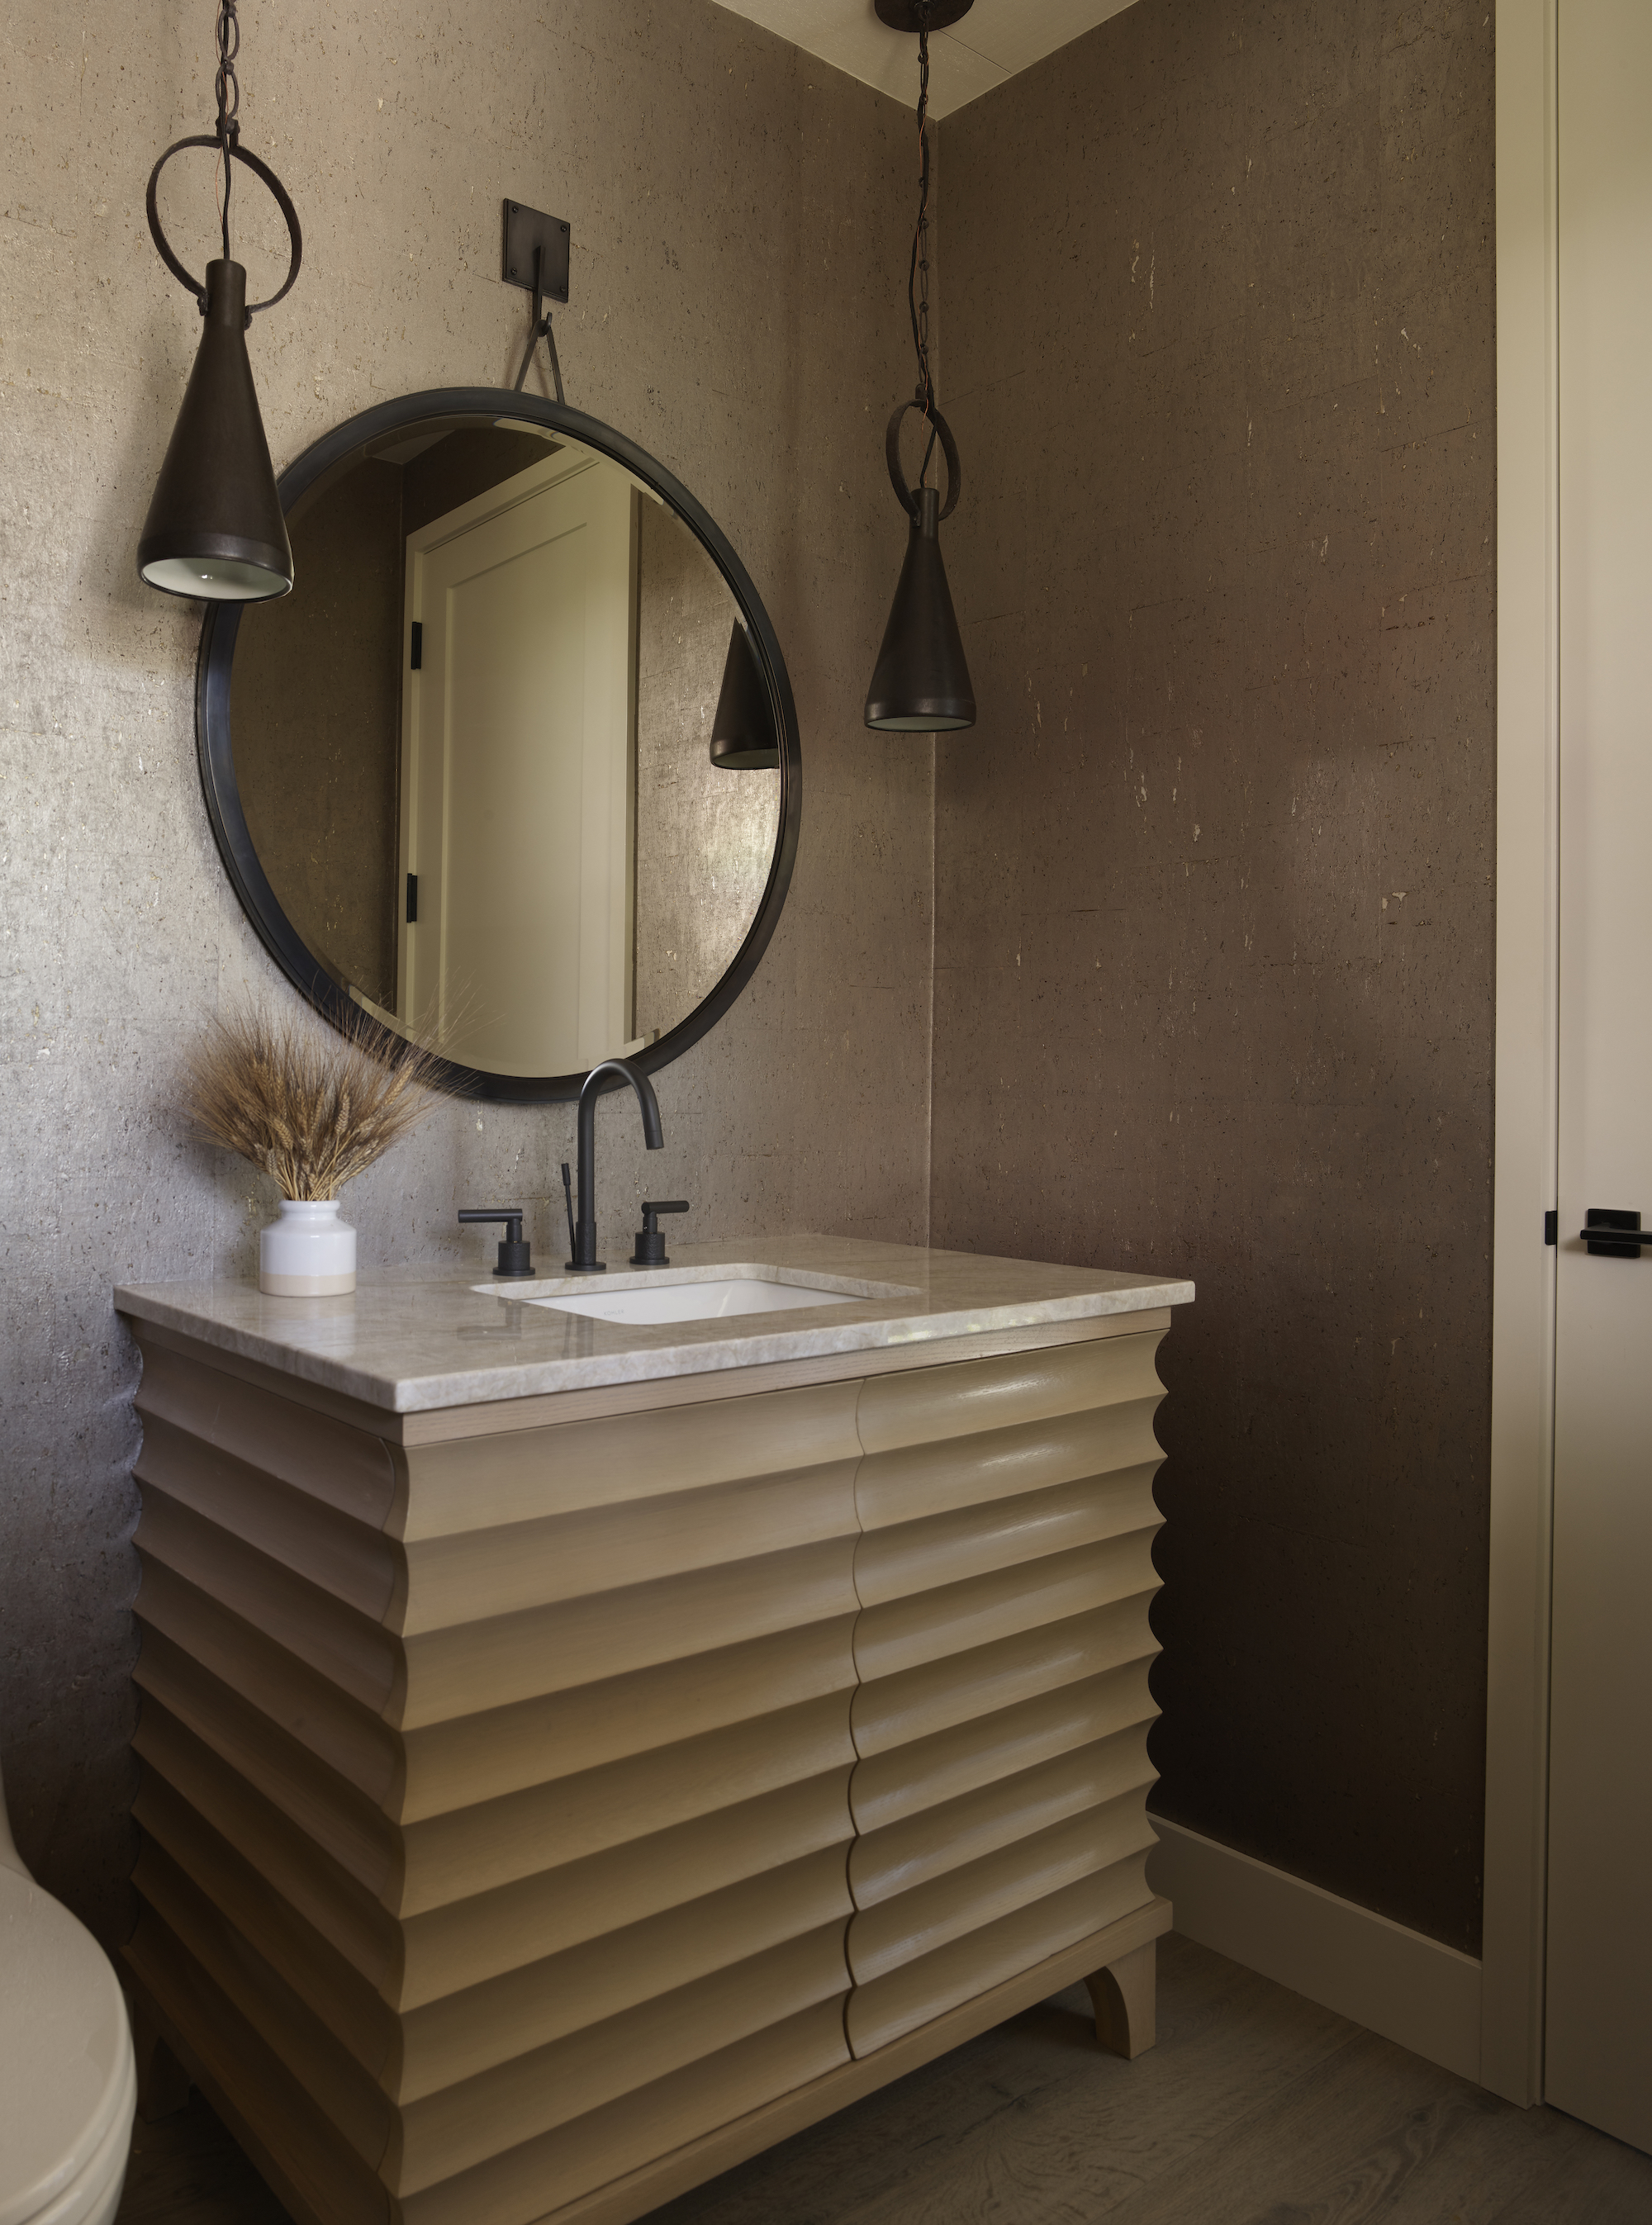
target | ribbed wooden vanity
x=555, y=1793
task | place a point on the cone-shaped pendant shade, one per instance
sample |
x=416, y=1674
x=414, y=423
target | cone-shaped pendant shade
x=921, y=685
x=742, y=733
x=215, y=530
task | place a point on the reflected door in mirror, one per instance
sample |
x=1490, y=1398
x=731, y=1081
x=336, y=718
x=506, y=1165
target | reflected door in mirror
x=518, y=770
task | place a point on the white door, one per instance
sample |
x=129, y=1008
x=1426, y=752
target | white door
x=518, y=753
x=1599, y=2034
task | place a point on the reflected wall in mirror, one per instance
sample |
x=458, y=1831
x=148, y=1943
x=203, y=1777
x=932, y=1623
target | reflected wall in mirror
x=470, y=753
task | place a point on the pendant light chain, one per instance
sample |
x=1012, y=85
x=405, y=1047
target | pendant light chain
x=918, y=271
x=228, y=87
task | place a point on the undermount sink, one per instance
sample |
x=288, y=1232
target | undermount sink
x=698, y=1301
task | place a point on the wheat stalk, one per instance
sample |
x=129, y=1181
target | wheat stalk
x=311, y=1106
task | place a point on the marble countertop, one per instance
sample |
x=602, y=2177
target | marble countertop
x=411, y=1339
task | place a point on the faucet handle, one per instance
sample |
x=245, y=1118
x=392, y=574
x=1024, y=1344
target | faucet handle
x=515, y=1261
x=650, y=1248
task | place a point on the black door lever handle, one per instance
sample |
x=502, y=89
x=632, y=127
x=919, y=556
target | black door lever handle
x=1611, y=1234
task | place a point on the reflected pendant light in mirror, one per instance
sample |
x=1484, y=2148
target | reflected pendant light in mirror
x=215, y=530
x=743, y=739
x=921, y=682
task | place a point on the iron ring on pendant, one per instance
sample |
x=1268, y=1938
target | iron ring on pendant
x=260, y=170
x=949, y=449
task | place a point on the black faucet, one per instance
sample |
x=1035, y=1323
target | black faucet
x=584, y=1261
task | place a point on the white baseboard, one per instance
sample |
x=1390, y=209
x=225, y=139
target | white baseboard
x=1392, y=1980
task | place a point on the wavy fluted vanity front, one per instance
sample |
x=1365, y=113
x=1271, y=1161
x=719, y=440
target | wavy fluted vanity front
x=581, y=1751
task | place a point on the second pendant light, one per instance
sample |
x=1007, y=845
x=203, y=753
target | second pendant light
x=921, y=682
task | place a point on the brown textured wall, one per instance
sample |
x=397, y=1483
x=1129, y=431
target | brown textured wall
x=739, y=218
x=1213, y=883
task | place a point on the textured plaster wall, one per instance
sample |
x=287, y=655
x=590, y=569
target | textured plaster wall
x=1214, y=901
x=739, y=218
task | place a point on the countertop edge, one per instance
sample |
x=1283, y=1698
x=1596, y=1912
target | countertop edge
x=596, y=1371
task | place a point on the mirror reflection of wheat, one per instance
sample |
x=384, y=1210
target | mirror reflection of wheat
x=312, y=1106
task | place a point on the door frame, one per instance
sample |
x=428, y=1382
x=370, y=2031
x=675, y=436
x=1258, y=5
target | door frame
x=1527, y=1050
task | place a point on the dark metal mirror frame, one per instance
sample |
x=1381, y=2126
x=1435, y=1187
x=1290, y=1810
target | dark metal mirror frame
x=280, y=938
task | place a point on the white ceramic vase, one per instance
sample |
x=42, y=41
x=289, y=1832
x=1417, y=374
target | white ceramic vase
x=309, y=1252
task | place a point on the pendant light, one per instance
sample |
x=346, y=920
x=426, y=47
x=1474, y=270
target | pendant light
x=921, y=682
x=742, y=733
x=215, y=530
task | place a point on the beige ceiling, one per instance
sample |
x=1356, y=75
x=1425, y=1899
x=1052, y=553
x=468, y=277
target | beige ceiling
x=994, y=40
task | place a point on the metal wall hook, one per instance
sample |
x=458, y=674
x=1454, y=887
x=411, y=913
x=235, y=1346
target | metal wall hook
x=540, y=330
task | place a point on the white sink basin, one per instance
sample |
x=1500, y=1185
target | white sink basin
x=682, y=1302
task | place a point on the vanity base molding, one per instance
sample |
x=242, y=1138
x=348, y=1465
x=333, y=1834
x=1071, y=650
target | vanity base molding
x=543, y=1810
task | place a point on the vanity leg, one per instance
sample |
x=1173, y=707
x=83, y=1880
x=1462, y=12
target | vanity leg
x=163, y=2081
x=1123, y=1994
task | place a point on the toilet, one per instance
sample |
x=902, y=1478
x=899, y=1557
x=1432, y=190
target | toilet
x=69, y=2085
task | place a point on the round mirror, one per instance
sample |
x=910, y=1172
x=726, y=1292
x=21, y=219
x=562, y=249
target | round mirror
x=514, y=766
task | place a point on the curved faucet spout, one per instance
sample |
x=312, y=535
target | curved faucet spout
x=584, y=1261
x=645, y=1098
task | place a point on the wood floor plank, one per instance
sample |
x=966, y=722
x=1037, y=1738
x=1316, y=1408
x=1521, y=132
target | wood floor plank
x=1332, y=2146
x=1597, y=2181
x=1557, y=2171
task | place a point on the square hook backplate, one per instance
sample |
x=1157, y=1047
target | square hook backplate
x=525, y=230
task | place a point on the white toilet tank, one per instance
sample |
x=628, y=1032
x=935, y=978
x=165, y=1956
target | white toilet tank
x=68, y=2089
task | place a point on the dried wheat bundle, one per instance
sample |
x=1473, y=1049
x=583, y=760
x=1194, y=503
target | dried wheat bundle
x=311, y=1106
